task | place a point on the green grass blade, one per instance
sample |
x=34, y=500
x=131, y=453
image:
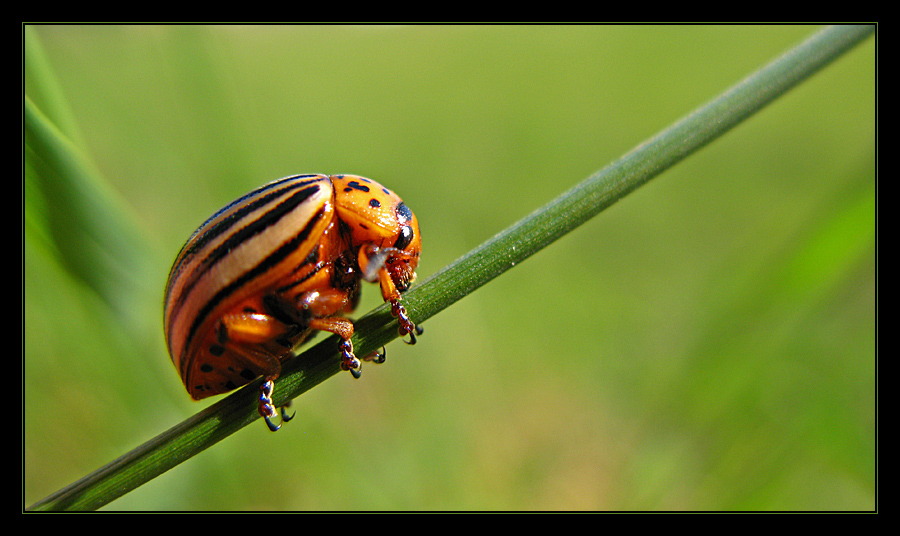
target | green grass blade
x=91, y=229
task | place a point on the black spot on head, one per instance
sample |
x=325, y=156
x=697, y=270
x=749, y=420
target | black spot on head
x=374, y=203
x=355, y=185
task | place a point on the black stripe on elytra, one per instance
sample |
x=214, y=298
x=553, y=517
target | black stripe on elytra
x=276, y=257
x=195, y=243
x=214, y=231
x=312, y=258
x=271, y=217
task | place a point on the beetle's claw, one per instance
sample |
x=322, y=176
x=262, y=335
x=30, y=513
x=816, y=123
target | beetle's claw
x=417, y=330
x=378, y=356
x=267, y=407
x=284, y=416
x=407, y=326
x=272, y=426
x=348, y=360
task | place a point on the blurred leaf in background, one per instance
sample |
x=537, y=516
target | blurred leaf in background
x=708, y=343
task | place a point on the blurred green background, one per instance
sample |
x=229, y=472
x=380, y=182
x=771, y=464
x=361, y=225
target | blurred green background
x=707, y=343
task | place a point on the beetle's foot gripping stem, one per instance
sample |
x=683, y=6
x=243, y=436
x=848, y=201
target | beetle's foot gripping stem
x=407, y=327
x=348, y=360
x=267, y=407
x=378, y=356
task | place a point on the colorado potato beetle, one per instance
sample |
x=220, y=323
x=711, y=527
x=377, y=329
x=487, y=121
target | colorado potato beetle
x=265, y=272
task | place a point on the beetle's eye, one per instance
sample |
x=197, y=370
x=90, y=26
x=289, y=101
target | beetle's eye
x=406, y=236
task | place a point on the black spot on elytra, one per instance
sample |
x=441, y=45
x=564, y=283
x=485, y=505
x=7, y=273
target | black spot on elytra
x=374, y=203
x=248, y=374
x=206, y=367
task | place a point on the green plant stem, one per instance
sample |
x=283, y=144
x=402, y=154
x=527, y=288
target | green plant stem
x=505, y=250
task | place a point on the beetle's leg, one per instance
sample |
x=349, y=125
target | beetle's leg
x=284, y=416
x=242, y=333
x=375, y=265
x=254, y=328
x=267, y=407
x=343, y=327
x=378, y=356
x=349, y=361
x=407, y=327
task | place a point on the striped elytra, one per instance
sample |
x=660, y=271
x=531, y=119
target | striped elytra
x=265, y=272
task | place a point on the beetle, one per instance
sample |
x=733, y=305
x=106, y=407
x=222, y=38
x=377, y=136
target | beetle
x=261, y=275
